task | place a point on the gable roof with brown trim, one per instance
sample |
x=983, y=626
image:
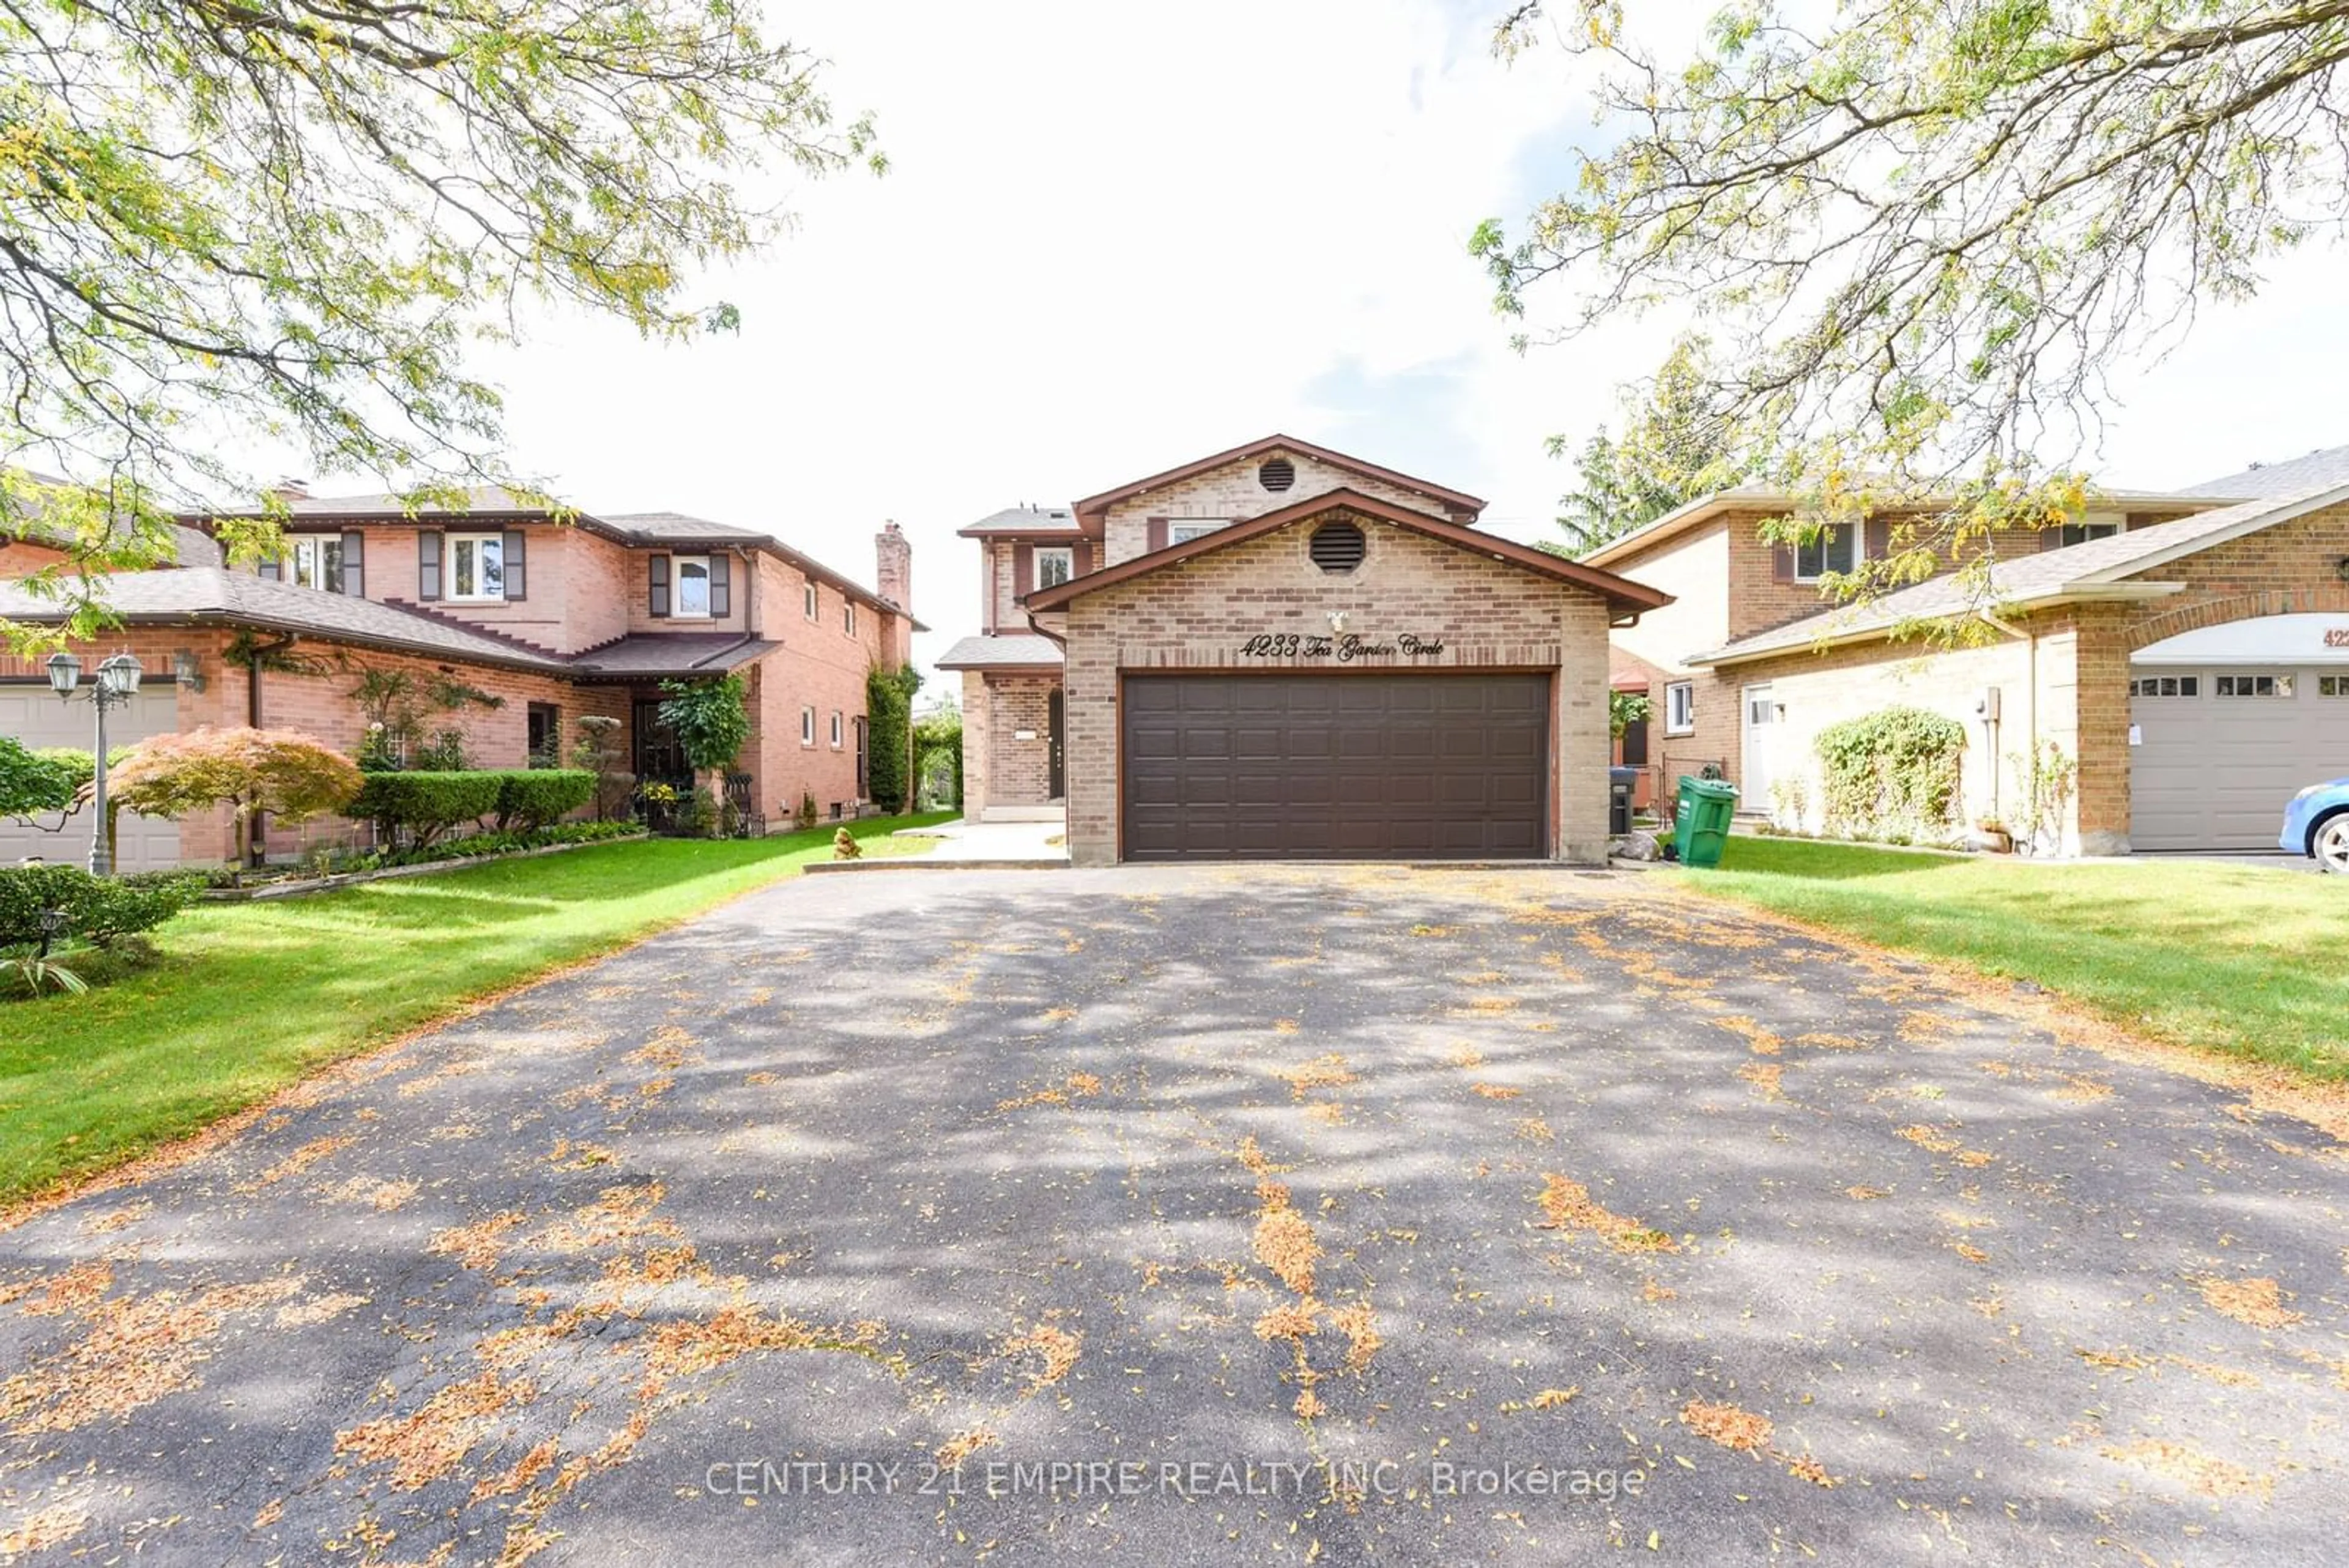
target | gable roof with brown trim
x=1623, y=595
x=1092, y=508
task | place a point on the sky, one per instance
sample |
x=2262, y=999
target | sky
x=1114, y=238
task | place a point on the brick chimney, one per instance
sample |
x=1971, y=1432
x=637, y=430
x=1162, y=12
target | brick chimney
x=894, y=566
x=291, y=490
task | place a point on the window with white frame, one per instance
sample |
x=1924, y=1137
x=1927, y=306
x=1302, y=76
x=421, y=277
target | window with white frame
x=314, y=561
x=807, y=726
x=2166, y=686
x=1055, y=563
x=839, y=729
x=1835, y=550
x=477, y=567
x=848, y=617
x=810, y=603
x=2081, y=532
x=1680, y=708
x=2253, y=685
x=1183, y=530
x=2333, y=686
x=690, y=576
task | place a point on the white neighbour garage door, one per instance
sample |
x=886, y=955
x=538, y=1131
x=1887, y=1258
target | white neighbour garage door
x=32, y=715
x=2221, y=750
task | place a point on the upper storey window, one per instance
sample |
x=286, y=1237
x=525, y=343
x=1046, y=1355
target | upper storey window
x=1183, y=530
x=1836, y=550
x=692, y=587
x=477, y=567
x=1055, y=565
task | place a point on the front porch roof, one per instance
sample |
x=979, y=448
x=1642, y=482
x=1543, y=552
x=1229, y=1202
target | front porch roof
x=669, y=653
x=1017, y=650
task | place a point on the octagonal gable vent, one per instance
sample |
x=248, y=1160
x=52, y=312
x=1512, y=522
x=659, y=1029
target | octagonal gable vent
x=1336, y=546
x=1277, y=473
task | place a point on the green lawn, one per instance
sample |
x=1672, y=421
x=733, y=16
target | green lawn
x=2243, y=960
x=251, y=996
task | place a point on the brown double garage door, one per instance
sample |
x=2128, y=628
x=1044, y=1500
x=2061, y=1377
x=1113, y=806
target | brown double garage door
x=1338, y=767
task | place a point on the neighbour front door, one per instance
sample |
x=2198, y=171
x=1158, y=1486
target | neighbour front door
x=1054, y=710
x=1761, y=723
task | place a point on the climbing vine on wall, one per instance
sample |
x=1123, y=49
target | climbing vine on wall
x=1893, y=773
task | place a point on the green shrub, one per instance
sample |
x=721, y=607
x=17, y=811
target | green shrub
x=26, y=890
x=98, y=910
x=34, y=783
x=888, y=708
x=1894, y=772
x=531, y=798
x=708, y=718
x=425, y=805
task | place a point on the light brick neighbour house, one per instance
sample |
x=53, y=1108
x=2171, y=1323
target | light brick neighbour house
x=555, y=619
x=2186, y=652
x=1280, y=651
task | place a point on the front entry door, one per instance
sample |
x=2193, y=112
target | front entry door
x=1761, y=722
x=1055, y=712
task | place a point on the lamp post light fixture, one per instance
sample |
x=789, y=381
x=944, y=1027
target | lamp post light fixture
x=117, y=683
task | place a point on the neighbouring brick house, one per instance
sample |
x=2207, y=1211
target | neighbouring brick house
x=2187, y=653
x=554, y=618
x=1281, y=651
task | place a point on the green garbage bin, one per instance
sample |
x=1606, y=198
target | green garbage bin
x=1702, y=826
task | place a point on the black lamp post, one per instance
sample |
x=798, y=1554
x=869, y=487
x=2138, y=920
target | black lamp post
x=117, y=683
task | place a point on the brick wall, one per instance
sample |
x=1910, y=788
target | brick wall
x=1019, y=772
x=18, y=559
x=976, y=729
x=821, y=665
x=1195, y=614
x=1234, y=492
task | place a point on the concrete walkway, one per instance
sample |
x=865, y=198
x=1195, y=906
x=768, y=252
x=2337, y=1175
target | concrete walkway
x=992, y=842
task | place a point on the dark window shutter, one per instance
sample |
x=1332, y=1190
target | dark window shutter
x=355, y=564
x=659, y=602
x=1635, y=743
x=1879, y=539
x=721, y=591
x=1156, y=539
x=1023, y=570
x=517, y=574
x=269, y=566
x=1081, y=558
x=2052, y=538
x=1782, y=563
x=428, y=567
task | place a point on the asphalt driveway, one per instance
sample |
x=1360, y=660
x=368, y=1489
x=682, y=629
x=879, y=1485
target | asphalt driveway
x=1365, y=1216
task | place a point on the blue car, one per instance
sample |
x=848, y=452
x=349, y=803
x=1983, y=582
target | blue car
x=2316, y=823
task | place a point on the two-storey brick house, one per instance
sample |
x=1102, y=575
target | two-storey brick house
x=2180, y=657
x=551, y=618
x=1283, y=651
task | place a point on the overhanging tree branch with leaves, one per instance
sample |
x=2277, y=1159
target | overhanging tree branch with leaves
x=230, y=220
x=1928, y=237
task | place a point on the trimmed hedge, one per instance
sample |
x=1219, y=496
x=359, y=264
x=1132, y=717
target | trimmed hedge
x=98, y=910
x=531, y=798
x=427, y=805
x=1891, y=771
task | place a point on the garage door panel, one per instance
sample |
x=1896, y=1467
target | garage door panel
x=2215, y=773
x=32, y=715
x=1356, y=765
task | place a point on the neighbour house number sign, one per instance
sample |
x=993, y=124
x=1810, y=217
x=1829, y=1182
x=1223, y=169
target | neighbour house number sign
x=1345, y=647
x=2338, y=637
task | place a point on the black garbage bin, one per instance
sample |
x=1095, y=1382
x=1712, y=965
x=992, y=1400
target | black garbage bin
x=1619, y=783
